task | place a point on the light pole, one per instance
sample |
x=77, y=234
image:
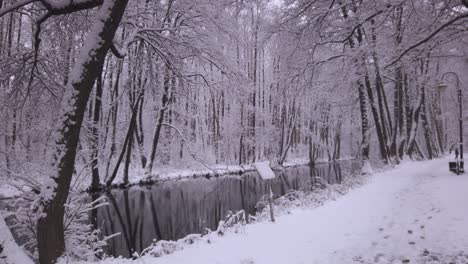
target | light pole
x=460, y=117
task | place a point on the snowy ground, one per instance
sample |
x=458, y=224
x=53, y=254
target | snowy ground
x=10, y=252
x=417, y=213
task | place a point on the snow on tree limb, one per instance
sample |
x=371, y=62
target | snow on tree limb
x=62, y=7
x=424, y=40
x=86, y=57
x=120, y=51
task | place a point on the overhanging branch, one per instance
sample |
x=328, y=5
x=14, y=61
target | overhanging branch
x=74, y=6
x=424, y=40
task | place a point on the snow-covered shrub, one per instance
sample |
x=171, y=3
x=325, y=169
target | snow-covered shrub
x=82, y=241
x=367, y=167
x=162, y=247
x=23, y=216
x=313, y=194
x=234, y=222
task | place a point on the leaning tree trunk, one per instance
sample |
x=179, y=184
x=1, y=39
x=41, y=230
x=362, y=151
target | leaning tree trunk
x=130, y=132
x=165, y=99
x=50, y=229
x=95, y=182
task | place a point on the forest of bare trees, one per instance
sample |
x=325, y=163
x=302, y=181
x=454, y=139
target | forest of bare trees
x=97, y=91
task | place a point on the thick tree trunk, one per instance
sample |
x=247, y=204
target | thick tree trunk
x=378, y=124
x=411, y=142
x=425, y=123
x=381, y=97
x=365, y=148
x=50, y=229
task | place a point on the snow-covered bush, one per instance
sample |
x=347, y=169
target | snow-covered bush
x=313, y=194
x=83, y=242
x=234, y=222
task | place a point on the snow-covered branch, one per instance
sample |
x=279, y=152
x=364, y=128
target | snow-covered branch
x=15, y=6
x=426, y=39
x=120, y=51
x=62, y=7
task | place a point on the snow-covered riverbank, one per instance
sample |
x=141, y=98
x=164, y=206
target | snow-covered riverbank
x=415, y=213
x=12, y=188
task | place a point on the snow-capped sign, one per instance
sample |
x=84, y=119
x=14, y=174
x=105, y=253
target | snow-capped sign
x=263, y=168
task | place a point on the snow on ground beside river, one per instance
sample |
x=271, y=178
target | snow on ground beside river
x=168, y=173
x=13, y=188
x=10, y=252
x=415, y=213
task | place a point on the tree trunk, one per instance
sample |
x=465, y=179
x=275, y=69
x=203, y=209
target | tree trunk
x=113, y=114
x=50, y=229
x=95, y=182
x=126, y=143
x=365, y=149
x=164, y=103
x=425, y=123
x=378, y=124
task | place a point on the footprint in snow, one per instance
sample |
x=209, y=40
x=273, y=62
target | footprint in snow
x=379, y=257
x=247, y=261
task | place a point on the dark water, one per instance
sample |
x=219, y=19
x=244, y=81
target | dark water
x=174, y=209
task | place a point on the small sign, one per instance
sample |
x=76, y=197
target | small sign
x=263, y=168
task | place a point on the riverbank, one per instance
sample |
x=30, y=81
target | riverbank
x=168, y=174
x=311, y=195
x=81, y=183
x=411, y=214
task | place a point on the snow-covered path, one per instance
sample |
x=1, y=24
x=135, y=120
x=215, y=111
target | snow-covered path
x=417, y=213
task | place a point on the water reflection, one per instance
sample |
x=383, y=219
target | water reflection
x=172, y=210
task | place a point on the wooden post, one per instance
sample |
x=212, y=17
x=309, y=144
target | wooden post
x=270, y=202
x=267, y=174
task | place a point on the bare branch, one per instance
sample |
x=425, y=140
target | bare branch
x=15, y=6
